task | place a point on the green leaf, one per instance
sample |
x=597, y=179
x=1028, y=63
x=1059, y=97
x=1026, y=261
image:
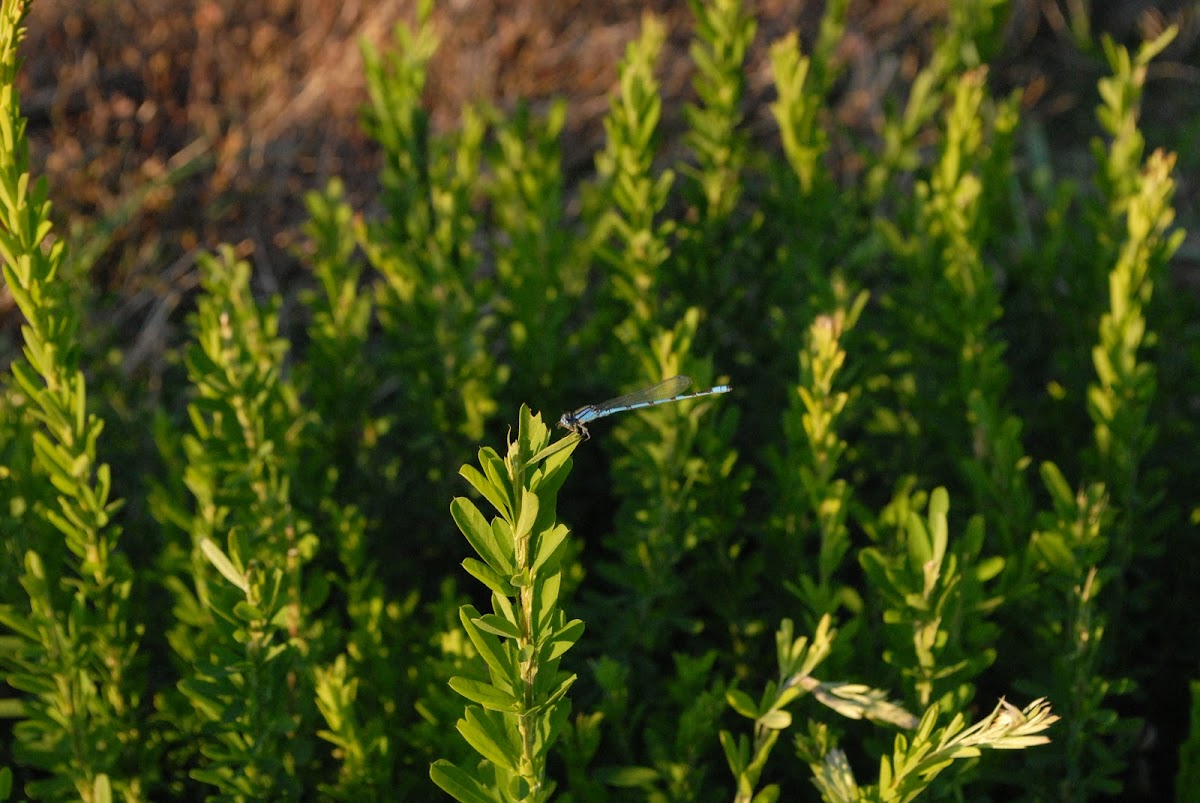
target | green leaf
x=776, y=720
x=32, y=684
x=768, y=794
x=494, y=470
x=737, y=752
x=494, y=654
x=762, y=752
x=101, y=789
x=519, y=788
x=498, y=625
x=489, y=577
x=489, y=491
x=489, y=738
x=479, y=534
x=560, y=691
x=457, y=783
x=1056, y=484
x=989, y=568
x=920, y=546
x=19, y=622
x=247, y=612
x=502, y=533
x=564, y=639
x=545, y=600
x=742, y=703
x=1148, y=50
x=549, y=544
x=529, y=511
x=485, y=694
x=939, y=508
x=567, y=442
x=504, y=606
x=1052, y=548
x=630, y=777
x=223, y=565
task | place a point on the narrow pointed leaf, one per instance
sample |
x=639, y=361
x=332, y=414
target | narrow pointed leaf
x=489, y=577
x=529, y=511
x=490, y=649
x=477, y=532
x=489, y=491
x=222, y=563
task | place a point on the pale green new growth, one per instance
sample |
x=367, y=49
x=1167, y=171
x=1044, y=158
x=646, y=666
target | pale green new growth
x=917, y=760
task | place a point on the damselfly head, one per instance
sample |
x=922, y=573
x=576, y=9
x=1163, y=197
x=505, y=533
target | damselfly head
x=570, y=422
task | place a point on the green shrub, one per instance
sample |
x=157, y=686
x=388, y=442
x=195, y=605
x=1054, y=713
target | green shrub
x=285, y=617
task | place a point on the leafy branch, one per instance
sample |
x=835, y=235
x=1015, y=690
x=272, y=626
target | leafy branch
x=521, y=708
x=77, y=639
